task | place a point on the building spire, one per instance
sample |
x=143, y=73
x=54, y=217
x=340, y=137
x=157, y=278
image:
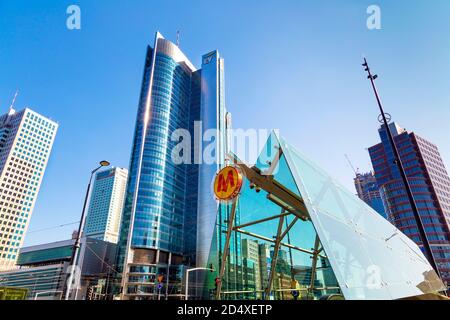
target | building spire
x=178, y=38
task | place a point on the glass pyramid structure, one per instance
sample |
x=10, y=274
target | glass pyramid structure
x=296, y=233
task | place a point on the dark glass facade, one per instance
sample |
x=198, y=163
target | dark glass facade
x=430, y=185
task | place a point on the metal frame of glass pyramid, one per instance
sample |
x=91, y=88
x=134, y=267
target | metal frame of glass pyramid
x=365, y=255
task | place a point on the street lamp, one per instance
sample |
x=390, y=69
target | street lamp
x=385, y=117
x=76, y=247
x=187, y=279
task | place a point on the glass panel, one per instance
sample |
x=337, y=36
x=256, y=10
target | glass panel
x=370, y=257
x=252, y=246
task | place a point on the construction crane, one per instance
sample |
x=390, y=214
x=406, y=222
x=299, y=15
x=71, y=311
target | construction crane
x=357, y=179
x=351, y=165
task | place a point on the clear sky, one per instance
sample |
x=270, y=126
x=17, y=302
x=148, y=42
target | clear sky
x=293, y=65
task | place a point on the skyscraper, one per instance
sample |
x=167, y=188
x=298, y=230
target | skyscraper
x=106, y=205
x=251, y=257
x=367, y=189
x=169, y=205
x=26, y=140
x=264, y=262
x=430, y=186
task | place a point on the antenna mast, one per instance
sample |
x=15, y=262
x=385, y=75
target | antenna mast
x=399, y=164
x=11, y=107
x=178, y=38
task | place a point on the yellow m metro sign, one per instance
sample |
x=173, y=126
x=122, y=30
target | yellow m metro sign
x=228, y=183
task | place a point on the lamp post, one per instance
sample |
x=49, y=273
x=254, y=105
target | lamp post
x=401, y=169
x=186, y=293
x=76, y=247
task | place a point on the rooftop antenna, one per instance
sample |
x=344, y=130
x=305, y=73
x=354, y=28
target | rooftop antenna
x=178, y=38
x=11, y=107
x=11, y=111
x=384, y=118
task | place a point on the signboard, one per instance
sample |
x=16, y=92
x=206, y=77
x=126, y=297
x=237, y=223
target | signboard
x=7, y=293
x=208, y=58
x=228, y=183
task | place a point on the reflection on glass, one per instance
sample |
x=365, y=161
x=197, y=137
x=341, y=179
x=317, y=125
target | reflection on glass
x=297, y=273
x=343, y=248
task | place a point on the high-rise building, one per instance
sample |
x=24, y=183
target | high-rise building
x=367, y=189
x=250, y=255
x=169, y=204
x=106, y=205
x=430, y=185
x=264, y=262
x=26, y=140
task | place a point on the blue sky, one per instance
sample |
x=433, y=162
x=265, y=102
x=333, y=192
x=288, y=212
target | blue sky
x=292, y=65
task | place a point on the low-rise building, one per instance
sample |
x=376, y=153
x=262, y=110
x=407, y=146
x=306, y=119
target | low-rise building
x=43, y=269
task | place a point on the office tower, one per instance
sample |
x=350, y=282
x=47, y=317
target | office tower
x=303, y=275
x=430, y=185
x=169, y=203
x=26, y=140
x=106, y=205
x=283, y=265
x=367, y=188
x=264, y=262
x=283, y=275
x=250, y=255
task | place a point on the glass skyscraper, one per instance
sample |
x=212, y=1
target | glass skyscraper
x=430, y=183
x=170, y=212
